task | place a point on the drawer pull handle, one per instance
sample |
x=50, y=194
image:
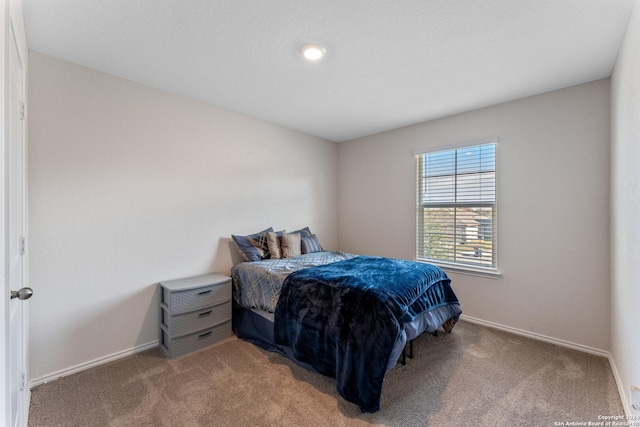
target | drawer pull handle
x=205, y=334
x=205, y=313
x=204, y=292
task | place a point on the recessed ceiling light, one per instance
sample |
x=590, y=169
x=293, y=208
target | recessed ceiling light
x=313, y=52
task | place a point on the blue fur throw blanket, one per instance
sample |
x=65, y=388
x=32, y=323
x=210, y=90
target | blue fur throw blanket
x=344, y=318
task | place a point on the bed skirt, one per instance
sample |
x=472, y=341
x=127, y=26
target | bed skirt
x=257, y=328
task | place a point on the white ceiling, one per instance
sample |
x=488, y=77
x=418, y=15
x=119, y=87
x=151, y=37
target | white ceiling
x=389, y=63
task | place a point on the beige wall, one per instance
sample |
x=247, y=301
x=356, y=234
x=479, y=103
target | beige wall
x=625, y=217
x=130, y=185
x=553, y=180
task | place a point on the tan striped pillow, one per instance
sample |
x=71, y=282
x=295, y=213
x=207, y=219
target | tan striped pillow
x=291, y=245
x=273, y=241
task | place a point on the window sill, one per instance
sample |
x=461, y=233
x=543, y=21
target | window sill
x=471, y=271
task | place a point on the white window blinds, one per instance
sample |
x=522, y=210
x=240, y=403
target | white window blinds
x=456, y=207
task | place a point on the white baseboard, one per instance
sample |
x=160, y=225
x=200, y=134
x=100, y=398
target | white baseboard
x=624, y=397
x=539, y=337
x=96, y=362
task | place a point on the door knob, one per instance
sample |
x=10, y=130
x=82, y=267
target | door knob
x=24, y=293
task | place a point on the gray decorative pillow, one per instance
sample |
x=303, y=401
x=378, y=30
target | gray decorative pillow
x=304, y=232
x=291, y=245
x=254, y=246
x=273, y=242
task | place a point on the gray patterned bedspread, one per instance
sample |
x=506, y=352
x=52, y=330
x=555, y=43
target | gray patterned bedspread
x=257, y=284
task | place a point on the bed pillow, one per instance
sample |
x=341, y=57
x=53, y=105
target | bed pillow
x=291, y=245
x=254, y=246
x=304, y=232
x=310, y=244
x=273, y=242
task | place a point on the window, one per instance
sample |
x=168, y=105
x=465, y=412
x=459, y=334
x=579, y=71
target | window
x=456, y=207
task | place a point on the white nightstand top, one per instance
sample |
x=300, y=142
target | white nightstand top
x=195, y=282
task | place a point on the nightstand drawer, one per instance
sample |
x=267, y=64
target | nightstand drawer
x=191, y=299
x=178, y=346
x=180, y=324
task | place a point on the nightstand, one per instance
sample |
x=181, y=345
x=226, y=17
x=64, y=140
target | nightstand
x=195, y=313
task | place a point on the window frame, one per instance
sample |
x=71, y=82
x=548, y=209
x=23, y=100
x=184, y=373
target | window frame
x=458, y=267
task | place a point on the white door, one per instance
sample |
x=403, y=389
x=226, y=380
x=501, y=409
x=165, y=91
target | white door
x=17, y=351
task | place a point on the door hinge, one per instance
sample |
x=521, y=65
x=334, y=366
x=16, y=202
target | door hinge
x=23, y=245
x=23, y=381
x=22, y=113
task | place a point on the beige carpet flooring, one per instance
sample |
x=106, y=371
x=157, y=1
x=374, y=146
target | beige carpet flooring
x=475, y=376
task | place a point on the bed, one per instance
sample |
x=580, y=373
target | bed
x=340, y=314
